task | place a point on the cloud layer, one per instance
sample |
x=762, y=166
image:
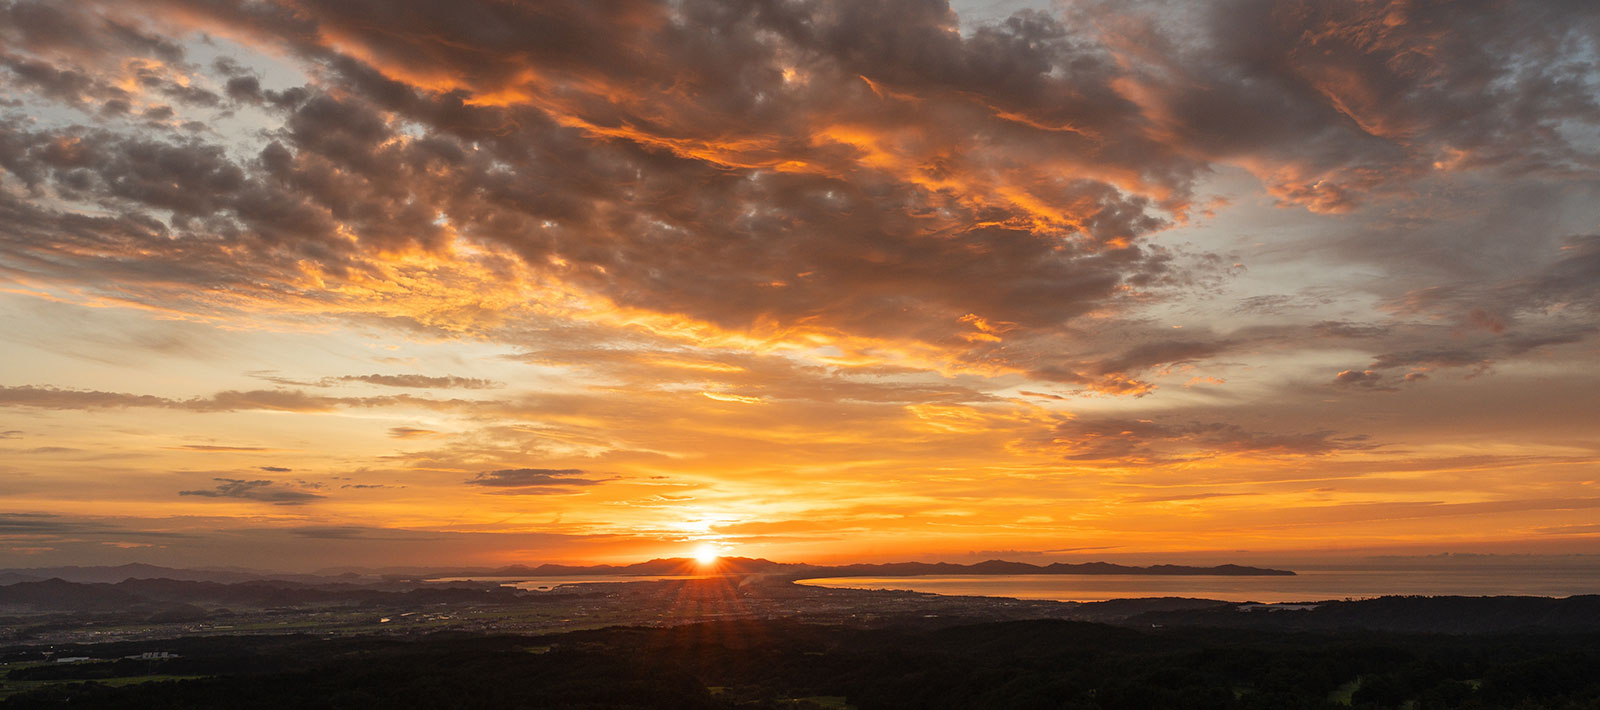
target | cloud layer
x=867, y=263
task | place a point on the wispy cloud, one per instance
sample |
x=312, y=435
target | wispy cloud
x=226, y=401
x=532, y=481
x=424, y=381
x=262, y=490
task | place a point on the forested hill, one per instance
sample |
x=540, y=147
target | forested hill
x=753, y=665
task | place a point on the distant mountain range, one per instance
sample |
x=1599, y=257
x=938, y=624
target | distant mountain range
x=657, y=567
x=118, y=573
x=174, y=600
x=747, y=565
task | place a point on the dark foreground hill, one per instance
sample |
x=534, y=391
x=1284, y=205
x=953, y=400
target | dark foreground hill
x=781, y=664
x=1454, y=615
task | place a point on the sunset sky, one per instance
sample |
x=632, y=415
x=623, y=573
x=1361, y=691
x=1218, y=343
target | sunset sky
x=294, y=284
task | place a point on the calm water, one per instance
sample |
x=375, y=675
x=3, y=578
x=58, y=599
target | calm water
x=1309, y=584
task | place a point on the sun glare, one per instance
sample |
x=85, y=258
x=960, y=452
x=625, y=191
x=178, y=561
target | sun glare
x=705, y=554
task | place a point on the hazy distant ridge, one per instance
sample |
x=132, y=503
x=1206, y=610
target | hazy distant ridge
x=746, y=565
x=657, y=567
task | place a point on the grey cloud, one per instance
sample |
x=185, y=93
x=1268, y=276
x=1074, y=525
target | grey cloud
x=552, y=190
x=61, y=84
x=282, y=400
x=1571, y=280
x=225, y=401
x=217, y=541
x=1184, y=497
x=42, y=524
x=1167, y=352
x=330, y=532
x=73, y=29
x=245, y=88
x=191, y=95
x=1341, y=329
x=262, y=490
x=229, y=67
x=274, y=378
x=404, y=381
x=1331, y=101
x=1477, y=355
x=357, y=532
x=210, y=198
x=1106, y=365
x=1437, y=357
x=1539, y=307
x=1267, y=303
x=1124, y=441
x=766, y=377
x=1366, y=379
x=52, y=398
x=49, y=525
x=424, y=381
x=350, y=532
x=532, y=481
x=819, y=153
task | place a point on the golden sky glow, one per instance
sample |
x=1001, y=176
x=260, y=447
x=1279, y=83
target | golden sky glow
x=303, y=283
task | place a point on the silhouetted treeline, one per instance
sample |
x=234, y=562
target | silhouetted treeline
x=1031, y=664
x=1405, y=614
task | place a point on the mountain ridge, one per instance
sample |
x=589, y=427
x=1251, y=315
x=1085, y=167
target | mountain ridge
x=747, y=565
x=661, y=566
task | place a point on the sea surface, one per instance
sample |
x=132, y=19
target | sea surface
x=1309, y=584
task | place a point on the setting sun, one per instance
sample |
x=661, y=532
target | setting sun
x=705, y=554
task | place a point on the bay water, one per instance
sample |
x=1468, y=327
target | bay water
x=1309, y=584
